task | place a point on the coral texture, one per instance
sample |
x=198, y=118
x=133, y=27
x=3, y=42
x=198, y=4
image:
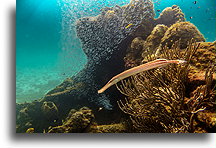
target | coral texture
x=154, y=39
x=76, y=122
x=183, y=31
x=101, y=35
x=171, y=15
x=157, y=101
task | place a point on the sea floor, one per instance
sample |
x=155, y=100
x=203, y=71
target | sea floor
x=33, y=83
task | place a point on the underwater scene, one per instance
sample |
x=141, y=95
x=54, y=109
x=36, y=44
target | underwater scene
x=115, y=66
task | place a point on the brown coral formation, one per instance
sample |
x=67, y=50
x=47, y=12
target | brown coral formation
x=133, y=56
x=76, y=122
x=154, y=39
x=171, y=15
x=36, y=116
x=205, y=55
x=112, y=128
x=159, y=100
x=83, y=121
x=183, y=31
x=160, y=36
x=203, y=58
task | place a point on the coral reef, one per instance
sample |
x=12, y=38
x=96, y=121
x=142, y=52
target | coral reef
x=133, y=56
x=178, y=98
x=203, y=57
x=171, y=15
x=101, y=35
x=183, y=31
x=36, y=116
x=161, y=36
x=76, y=122
x=82, y=121
x=138, y=45
x=153, y=40
x=104, y=40
x=157, y=101
x=153, y=96
x=112, y=128
x=49, y=110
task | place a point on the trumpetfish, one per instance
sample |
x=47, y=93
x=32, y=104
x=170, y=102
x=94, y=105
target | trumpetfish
x=144, y=67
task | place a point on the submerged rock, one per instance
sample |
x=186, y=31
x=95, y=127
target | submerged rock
x=171, y=15
x=50, y=110
x=112, y=128
x=101, y=35
x=76, y=122
x=202, y=59
x=183, y=31
x=37, y=115
x=154, y=39
x=133, y=57
x=104, y=40
x=83, y=121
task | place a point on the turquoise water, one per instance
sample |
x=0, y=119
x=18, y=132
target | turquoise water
x=48, y=50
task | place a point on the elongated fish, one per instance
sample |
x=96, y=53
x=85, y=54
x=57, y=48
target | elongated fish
x=138, y=69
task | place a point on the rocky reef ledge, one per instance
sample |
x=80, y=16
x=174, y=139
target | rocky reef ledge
x=117, y=39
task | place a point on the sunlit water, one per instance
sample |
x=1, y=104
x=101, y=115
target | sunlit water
x=48, y=50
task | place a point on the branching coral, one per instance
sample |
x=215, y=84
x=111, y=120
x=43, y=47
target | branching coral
x=156, y=99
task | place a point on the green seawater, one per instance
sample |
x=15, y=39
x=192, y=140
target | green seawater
x=48, y=50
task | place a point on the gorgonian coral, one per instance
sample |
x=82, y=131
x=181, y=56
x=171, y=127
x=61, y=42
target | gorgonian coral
x=156, y=100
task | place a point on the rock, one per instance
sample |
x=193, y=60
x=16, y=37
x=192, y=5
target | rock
x=104, y=40
x=202, y=59
x=112, y=128
x=37, y=115
x=183, y=31
x=205, y=55
x=83, y=121
x=139, y=48
x=76, y=122
x=50, y=110
x=170, y=16
x=101, y=35
x=133, y=56
x=154, y=39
